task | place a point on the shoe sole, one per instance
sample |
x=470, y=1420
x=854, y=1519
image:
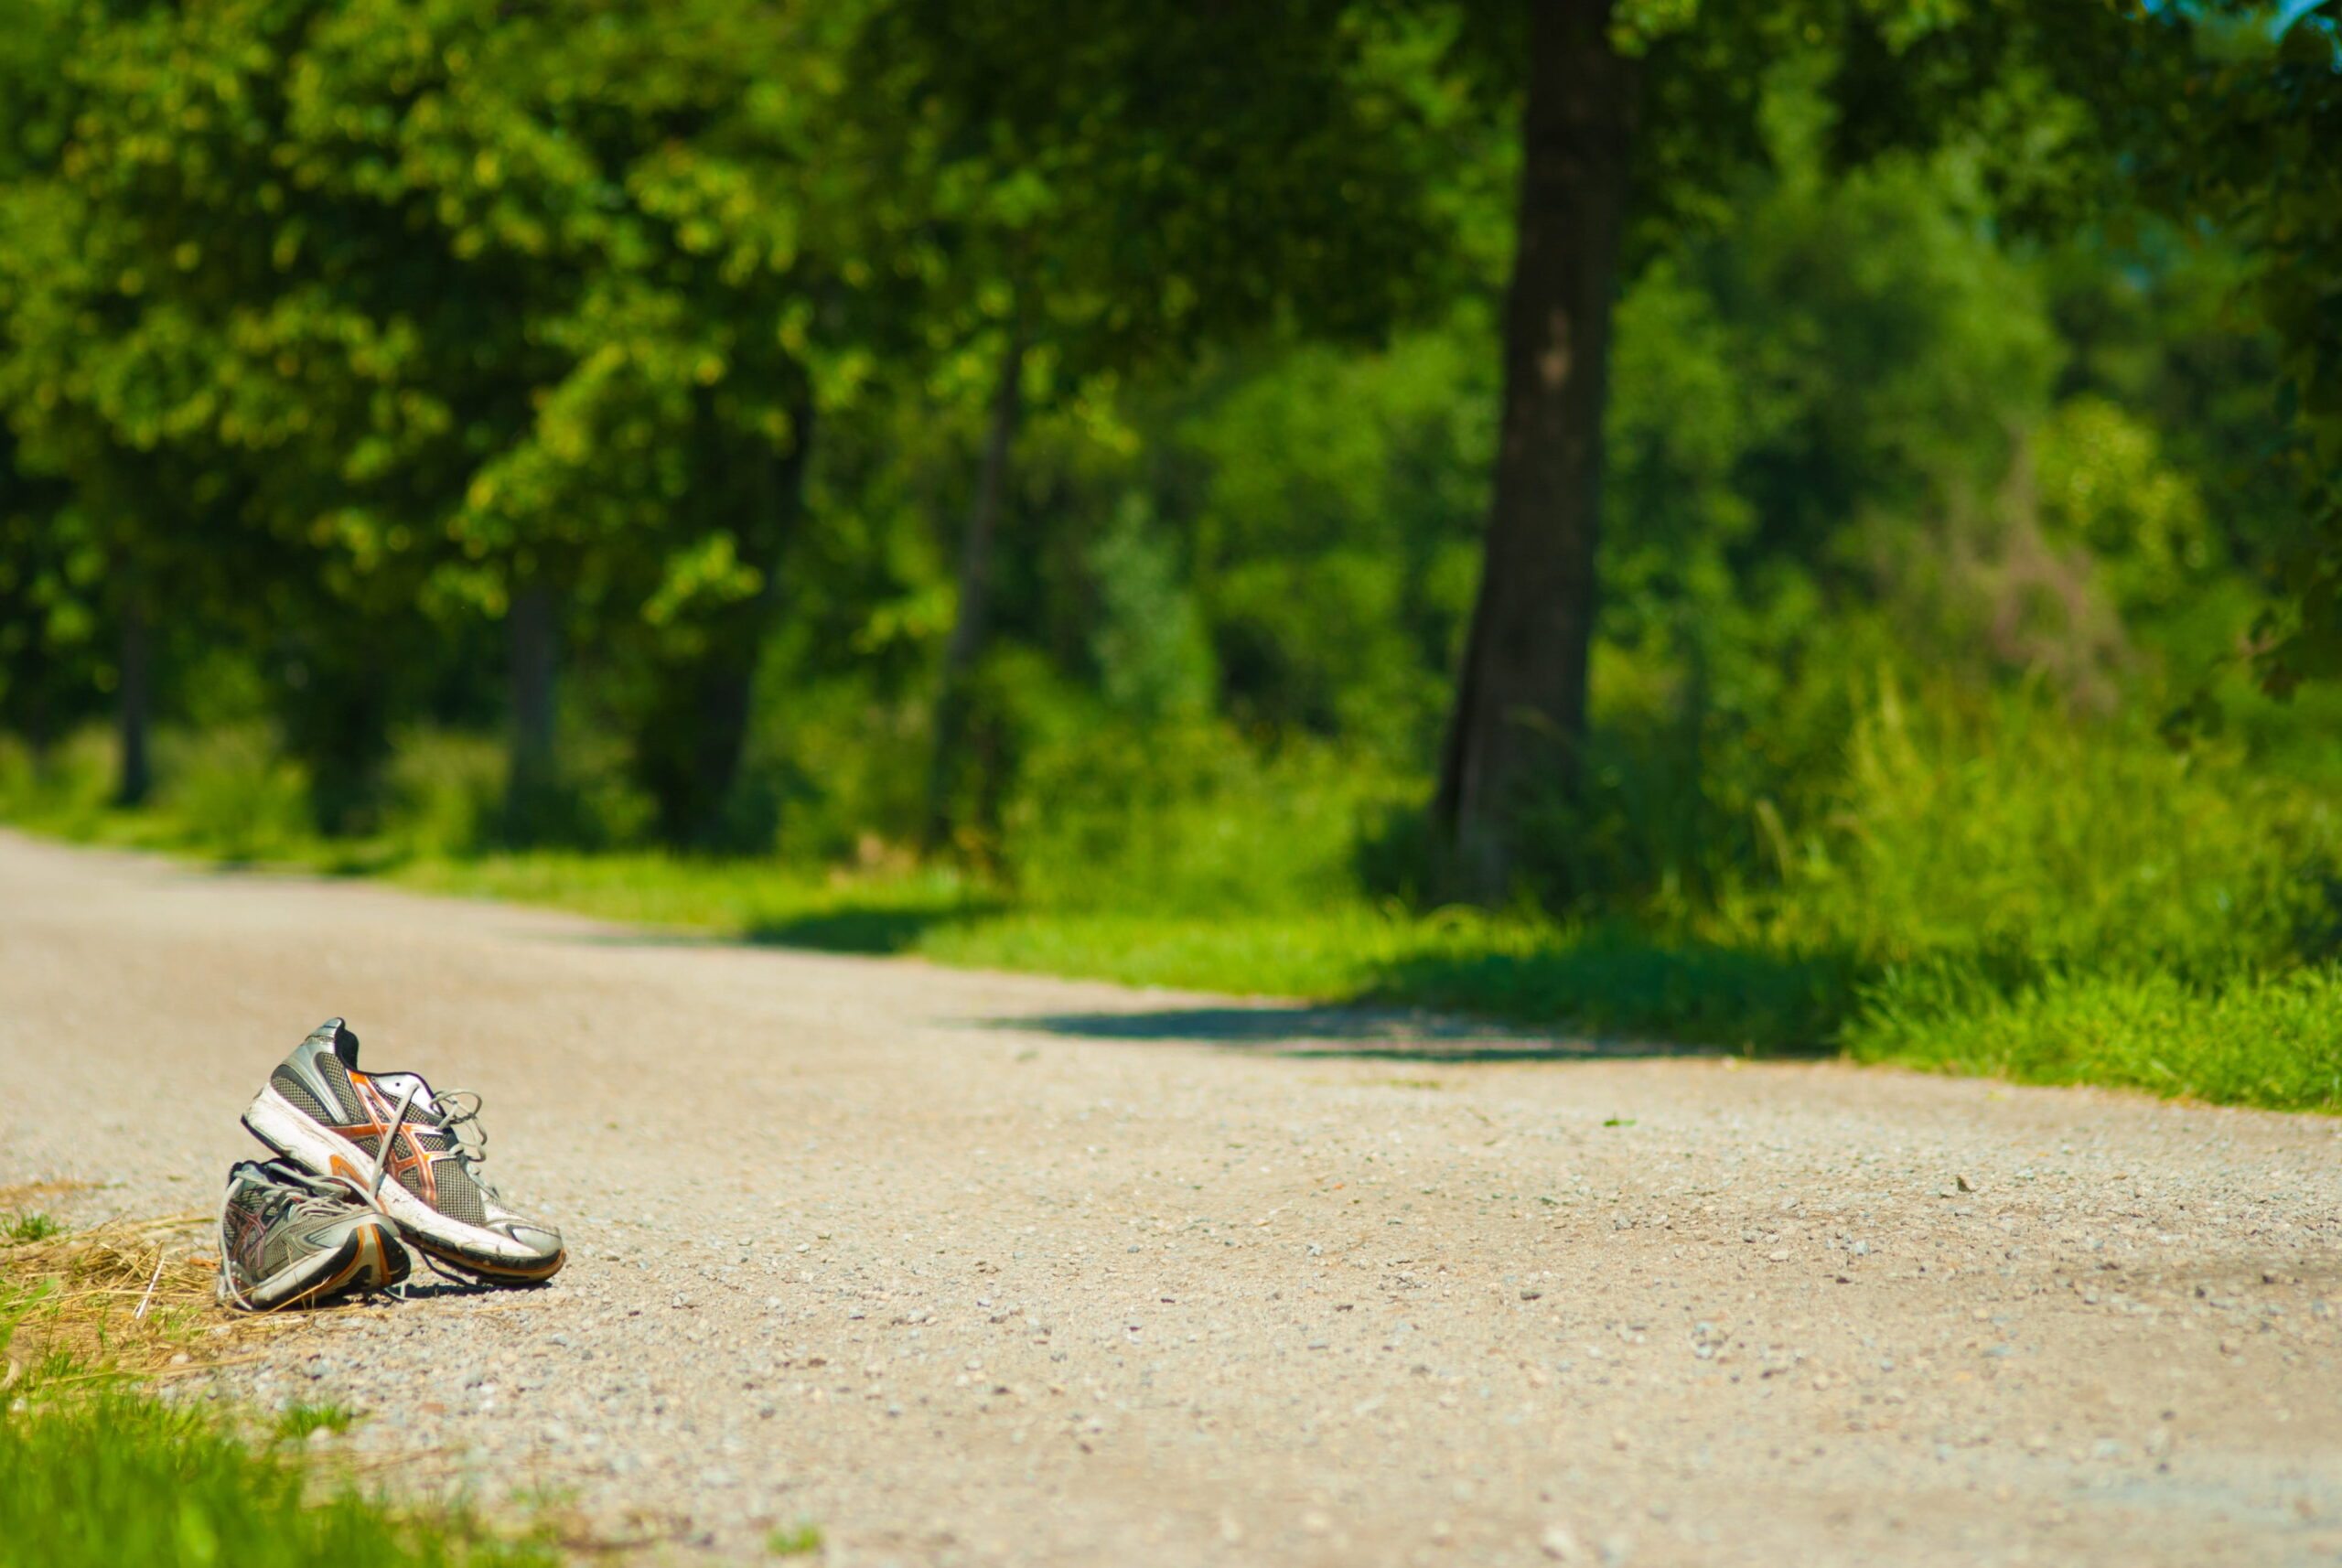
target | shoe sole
x=273, y=1121
x=368, y=1258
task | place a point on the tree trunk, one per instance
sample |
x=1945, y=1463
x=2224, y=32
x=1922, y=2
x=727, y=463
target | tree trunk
x=689, y=750
x=136, y=701
x=1519, y=714
x=533, y=636
x=975, y=590
x=337, y=706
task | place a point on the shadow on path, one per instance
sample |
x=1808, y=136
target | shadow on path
x=424, y=1286
x=861, y=930
x=880, y=932
x=1371, y=1033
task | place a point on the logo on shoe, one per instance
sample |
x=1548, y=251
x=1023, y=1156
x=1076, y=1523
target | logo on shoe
x=382, y=1113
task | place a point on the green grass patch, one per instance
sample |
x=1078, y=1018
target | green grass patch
x=1520, y=968
x=30, y=1227
x=298, y=1421
x=801, y=1539
x=119, y=1480
x=2267, y=1035
x=2266, y=1041
x=742, y=898
x=2273, y=1042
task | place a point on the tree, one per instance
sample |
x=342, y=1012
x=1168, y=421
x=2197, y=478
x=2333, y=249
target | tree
x=1519, y=710
x=1113, y=188
x=632, y=243
x=467, y=309
x=2233, y=123
x=1635, y=117
x=49, y=610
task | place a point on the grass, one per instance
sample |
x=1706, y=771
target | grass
x=1606, y=978
x=2237, y=1032
x=1990, y=884
x=98, y=1470
x=801, y=1539
x=296, y=1421
x=2274, y=1043
x=122, y=1480
x=2269, y=1038
x=117, y=1300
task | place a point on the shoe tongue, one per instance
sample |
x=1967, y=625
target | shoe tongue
x=423, y=1108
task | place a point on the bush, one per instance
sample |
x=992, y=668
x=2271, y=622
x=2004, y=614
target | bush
x=64, y=790
x=1184, y=817
x=2015, y=826
x=447, y=793
x=232, y=793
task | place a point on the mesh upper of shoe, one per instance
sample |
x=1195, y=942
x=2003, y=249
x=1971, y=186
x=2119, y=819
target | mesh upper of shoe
x=337, y=1079
x=287, y=1082
x=456, y=1192
x=460, y=1195
x=278, y=1225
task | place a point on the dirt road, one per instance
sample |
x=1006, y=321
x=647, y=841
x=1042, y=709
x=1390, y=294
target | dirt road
x=983, y=1269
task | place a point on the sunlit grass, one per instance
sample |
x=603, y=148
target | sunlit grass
x=1517, y=967
x=2274, y=1042
x=121, y=1480
x=732, y=897
x=1978, y=883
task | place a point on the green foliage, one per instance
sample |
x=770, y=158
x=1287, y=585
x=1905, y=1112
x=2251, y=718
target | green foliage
x=235, y=794
x=53, y=671
x=2263, y=93
x=1940, y=473
x=1186, y=820
x=798, y=1541
x=1333, y=504
x=2024, y=828
x=124, y=1481
x=297, y=1422
x=30, y=1227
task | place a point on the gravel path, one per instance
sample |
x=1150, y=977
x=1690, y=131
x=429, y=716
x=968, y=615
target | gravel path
x=984, y=1269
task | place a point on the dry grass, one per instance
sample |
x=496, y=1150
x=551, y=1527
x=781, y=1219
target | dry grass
x=98, y=1472
x=125, y=1298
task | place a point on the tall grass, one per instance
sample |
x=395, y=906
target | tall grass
x=2012, y=830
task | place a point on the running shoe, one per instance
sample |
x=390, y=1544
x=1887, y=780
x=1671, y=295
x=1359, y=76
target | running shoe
x=399, y=1146
x=287, y=1239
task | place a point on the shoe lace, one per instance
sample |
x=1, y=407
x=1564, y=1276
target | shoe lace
x=459, y=1118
